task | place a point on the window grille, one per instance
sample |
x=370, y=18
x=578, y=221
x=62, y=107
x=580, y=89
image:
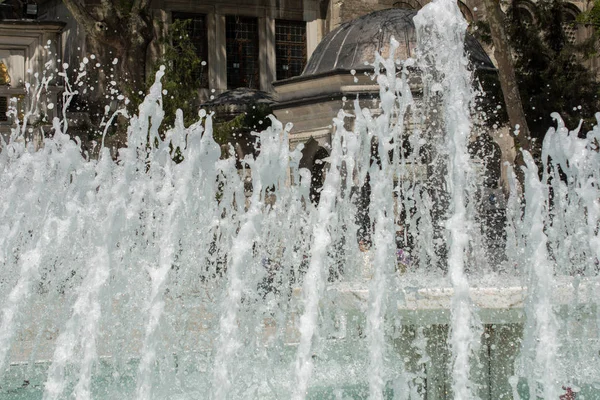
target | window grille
x=242, y=52
x=569, y=25
x=290, y=48
x=570, y=29
x=197, y=33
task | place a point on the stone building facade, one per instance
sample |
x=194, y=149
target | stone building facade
x=220, y=29
x=27, y=48
x=244, y=43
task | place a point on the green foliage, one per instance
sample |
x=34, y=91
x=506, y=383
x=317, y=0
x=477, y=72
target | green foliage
x=549, y=72
x=481, y=30
x=591, y=17
x=181, y=80
x=241, y=126
x=224, y=131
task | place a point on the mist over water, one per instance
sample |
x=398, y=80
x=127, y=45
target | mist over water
x=146, y=278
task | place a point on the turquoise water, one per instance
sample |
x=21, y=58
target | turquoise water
x=121, y=385
x=337, y=375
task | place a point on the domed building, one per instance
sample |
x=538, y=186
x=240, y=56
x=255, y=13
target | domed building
x=338, y=71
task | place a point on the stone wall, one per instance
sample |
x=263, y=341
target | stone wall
x=73, y=43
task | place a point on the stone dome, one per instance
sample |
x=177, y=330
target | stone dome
x=348, y=46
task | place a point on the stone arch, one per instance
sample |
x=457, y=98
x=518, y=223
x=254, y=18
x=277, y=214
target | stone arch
x=317, y=174
x=569, y=24
x=571, y=10
x=526, y=11
x=311, y=146
x=313, y=155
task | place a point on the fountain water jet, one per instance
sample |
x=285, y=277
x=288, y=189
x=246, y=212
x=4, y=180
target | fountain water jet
x=440, y=31
x=147, y=278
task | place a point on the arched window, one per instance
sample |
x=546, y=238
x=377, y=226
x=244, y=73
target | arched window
x=525, y=11
x=569, y=23
x=313, y=156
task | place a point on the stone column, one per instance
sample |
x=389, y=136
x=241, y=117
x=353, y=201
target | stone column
x=314, y=34
x=266, y=54
x=217, y=58
x=314, y=26
x=334, y=14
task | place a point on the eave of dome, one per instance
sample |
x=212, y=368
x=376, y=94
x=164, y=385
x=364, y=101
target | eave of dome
x=358, y=71
x=339, y=71
x=241, y=96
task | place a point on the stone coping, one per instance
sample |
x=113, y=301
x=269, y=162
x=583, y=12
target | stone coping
x=32, y=24
x=197, y=322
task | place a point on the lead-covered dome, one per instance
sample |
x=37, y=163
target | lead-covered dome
x=348, y=46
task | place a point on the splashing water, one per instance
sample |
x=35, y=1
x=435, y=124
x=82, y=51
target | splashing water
x=151, y=279
x=441, y=30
